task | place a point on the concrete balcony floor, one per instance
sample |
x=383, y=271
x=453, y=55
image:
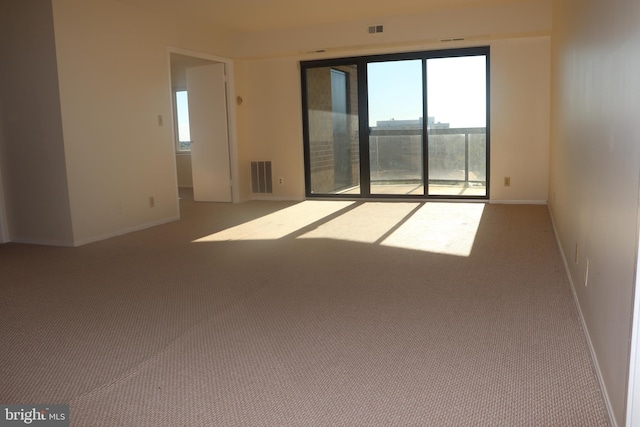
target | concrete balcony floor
x=418, y=189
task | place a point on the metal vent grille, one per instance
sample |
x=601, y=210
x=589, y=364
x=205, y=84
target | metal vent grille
x=261, y=181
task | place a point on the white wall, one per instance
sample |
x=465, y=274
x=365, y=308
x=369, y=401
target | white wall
x=243, y=120
x=272, y=126
x=183, y=166
x=32, y=157
x=520, y=92
x=114, y=83
x=595, y=170
x=525, y=18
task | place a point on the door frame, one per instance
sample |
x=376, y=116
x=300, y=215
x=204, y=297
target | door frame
x=633, y=375
x=363, y=128
x=231, y=115
x=4, y=227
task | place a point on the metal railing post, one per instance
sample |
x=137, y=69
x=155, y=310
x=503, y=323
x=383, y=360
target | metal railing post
x=466, y=158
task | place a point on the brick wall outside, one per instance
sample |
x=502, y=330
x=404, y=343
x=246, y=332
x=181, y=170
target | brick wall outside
x=321, y=145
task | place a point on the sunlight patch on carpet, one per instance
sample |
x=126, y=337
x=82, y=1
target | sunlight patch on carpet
x=444, y=228
x=366, y=223
x=279, y=224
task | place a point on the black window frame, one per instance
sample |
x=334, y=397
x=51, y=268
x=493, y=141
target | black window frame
x=363, y=127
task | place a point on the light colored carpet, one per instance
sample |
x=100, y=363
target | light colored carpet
x=319, y=313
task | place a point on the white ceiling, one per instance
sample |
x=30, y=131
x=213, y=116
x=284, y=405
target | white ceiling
x=261, y=15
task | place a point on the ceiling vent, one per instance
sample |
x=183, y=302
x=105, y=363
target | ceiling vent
x=376, y=29
x=454, y=39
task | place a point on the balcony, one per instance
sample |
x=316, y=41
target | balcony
x=457, y=161
x=456, y=165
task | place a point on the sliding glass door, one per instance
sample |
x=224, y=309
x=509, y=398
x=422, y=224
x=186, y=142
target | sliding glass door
x=411, y=125
x=331, y=130
x=395, y=99
x=457, y=106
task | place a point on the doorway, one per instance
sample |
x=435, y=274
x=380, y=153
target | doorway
x=204, y=118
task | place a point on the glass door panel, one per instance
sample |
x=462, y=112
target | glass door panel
x=396, y=164
x=457, y=126
x=332, y=114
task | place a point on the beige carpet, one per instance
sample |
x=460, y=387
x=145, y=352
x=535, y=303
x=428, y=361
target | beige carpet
x=319, y=313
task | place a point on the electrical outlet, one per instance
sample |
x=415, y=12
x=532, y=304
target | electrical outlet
x=160, y=120
x=507, y=181
x=152, y=201
x=281, y=181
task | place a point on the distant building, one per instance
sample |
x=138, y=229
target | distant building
x=411, y=124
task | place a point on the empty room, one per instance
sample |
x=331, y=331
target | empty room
x=319, y=213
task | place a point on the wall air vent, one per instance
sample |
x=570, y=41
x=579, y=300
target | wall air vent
x=453, y=39
x=261, y=181
x=376, y=29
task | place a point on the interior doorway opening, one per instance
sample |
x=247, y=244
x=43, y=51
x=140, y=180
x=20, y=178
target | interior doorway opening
x=203, y=120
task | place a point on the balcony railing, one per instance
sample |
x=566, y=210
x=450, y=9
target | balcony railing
x=456, y=155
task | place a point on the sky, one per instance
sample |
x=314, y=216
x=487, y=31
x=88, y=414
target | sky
x=182, y=112
x=456, y=90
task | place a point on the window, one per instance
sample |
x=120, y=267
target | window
x=400, y=125
x=183, y=140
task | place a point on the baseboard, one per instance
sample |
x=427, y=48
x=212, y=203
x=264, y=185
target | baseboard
x=594, y=356
x=518, y=202
x=43, y=242
x=125, y=231
x=275, y=199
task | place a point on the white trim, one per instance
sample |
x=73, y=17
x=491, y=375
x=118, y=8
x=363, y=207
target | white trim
x=96, y=238
x=633, y=392
x=125, y=231
x=4, y=226
x=44, y=242
x=174, y=134
x=278, y=199
x=201, y=55
x=518, y=202
x=633, y=378
x=594, y=357
x=232, y=127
